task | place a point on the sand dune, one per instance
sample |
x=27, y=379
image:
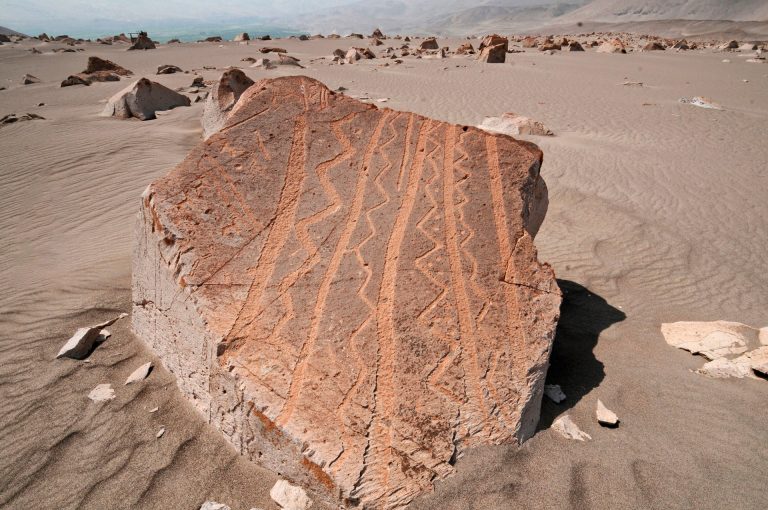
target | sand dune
x=657, y=214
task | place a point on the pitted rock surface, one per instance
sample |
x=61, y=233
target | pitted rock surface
x=350, y=294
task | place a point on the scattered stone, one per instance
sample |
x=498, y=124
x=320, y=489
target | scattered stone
x=377, y=34
x=465, y=49
x=160, y=432
x=681, y=45
x=612, y=46
x=154, y=409
x=355, y=54
x=198, y=82
x=242, y=37
x=100, y=76
x=653, y=46
x=213, y=38
x=143, y=42
x=272, y=50
x=263, y=63
x=28, y=79
x=142, y=100
x=168, y=69
x=80, y=345
x=75, y=79
x=222, y=99
x=96, y=64
x=287, y=60
x=605, y=416
x=734, y=349
x=568, y=429
x=701, y=102
x=513, y=124
x=429, y=44
x=530, y=42
x=493, y=49
x=173, y=41
x=251, y=195
x=730, y=45
x=289, y=497
x=212, y=505
x=12, y=118
x=139, y=374
x=102, y=393
x=554, y=393
x=574, y=46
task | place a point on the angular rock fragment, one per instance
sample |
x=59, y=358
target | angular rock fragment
x=212, y=505
x=139, y=374
x=28, y=79
x=160, y=433
x=568, y=429
x=574, y=46
x=429, y=44
x=75, y=80
x=734, y=349
x=102, y=393
x=493, y=49
x=143, y=42
x=653, y=46
x=222, y=99
x=242, y=37
x=169, y=69
x=350, y=294
x=290, y=497
x=513, y=124
x=96, y=64
x=142, y=99
x=710, y=339
x=465, y=49
x=80, y=345
x=605, y=416
x=267, y=49
x=554, y=393
x=263, y=63
x=12, y=118
x=612, y=46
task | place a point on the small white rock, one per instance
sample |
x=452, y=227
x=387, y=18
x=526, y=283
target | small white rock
x=81, y=343
x=554, y=393
x=140, y=373
x=212, y=505
x=605, y=416
x=290, y=497
x=565, y=426
x=102, y=393
x=160, y=432
x=154, y=409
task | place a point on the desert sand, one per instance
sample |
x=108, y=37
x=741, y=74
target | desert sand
x=657, y=214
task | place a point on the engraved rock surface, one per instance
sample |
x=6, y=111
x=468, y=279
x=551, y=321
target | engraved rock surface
x=350, y=294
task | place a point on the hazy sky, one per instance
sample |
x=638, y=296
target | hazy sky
x=89, y=15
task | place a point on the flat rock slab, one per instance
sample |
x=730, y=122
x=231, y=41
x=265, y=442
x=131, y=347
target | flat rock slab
x=351, y=294
x=734, y=349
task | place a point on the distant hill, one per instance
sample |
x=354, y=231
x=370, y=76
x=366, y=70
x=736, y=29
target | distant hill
x=8, y=31
x=646, y=10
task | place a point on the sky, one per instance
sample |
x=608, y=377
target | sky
x=98, y=17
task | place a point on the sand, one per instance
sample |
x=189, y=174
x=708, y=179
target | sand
x=657, y=214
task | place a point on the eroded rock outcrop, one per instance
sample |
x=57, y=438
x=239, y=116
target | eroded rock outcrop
x=222, y=99
x=350, y=294
x=142, y=99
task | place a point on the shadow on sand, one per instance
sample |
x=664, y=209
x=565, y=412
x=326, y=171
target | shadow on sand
x=583, y=316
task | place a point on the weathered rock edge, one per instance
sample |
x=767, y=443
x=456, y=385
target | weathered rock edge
x=349, y=306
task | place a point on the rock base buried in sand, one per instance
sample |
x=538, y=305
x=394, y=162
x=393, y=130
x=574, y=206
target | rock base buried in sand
x=568, y=429
x=734, y=349
x=513, y=124
x=290, y=497
x=605, y=416
x=317, y=272
x=142, y=99
x=102, y=393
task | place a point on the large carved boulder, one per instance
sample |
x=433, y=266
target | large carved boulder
x=350, y=294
